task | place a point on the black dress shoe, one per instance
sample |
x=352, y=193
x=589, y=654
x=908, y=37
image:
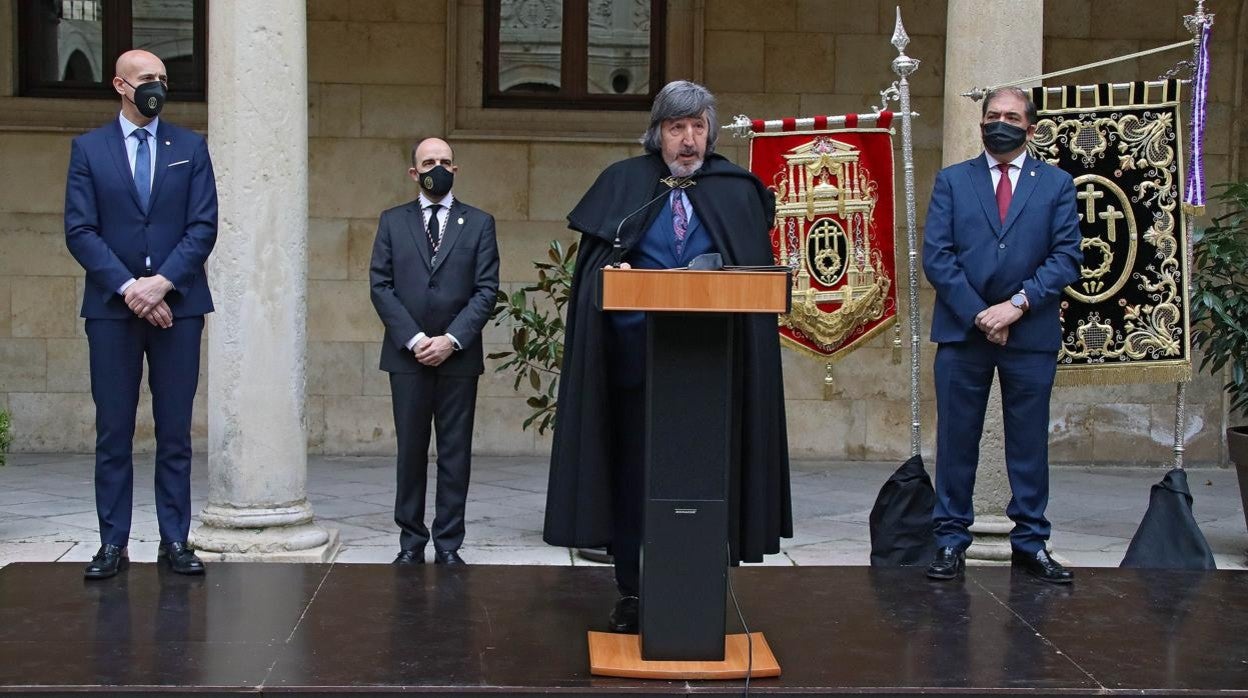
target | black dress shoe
x=949, y=563
x=180, y=558
x=624, y=615
x=448, y=557
x=110, y=560
x=1042, y=566
x=410, y=557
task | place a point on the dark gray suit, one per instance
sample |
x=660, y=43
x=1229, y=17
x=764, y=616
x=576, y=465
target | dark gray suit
x=453, y=295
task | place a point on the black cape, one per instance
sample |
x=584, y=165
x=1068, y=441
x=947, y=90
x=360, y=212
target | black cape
x=737, y=212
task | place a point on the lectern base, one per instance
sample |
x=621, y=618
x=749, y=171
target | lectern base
x=615, y=654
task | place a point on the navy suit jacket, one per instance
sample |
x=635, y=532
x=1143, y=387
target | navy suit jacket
x=973, y=260
x=655, y=250
x=110, y=234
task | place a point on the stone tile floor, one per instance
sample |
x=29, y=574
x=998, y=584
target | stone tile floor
x=47, y=510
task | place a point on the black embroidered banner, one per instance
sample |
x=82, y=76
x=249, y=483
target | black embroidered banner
x=1126, y=319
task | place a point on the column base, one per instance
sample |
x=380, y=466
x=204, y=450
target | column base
x=991, y=545
x=303, y=543
x=263, y=534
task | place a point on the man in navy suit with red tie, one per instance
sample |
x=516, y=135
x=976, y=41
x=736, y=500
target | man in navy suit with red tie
x=141, y=219
x=1000, y=244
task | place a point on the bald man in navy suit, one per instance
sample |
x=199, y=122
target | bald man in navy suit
x=141, y=219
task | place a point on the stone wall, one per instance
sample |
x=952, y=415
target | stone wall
x=385, y=73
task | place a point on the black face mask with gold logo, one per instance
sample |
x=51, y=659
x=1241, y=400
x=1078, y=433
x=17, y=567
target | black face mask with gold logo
x=437, y=182
x=149, y=97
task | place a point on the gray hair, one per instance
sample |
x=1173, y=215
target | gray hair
x=681, y=99
x=1019, y=92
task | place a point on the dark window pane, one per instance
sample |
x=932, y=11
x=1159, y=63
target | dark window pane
x=530, y=35
x=67, y=48
x=572, y=54
x=619, y=47
x=72, y=39
x=167, y=29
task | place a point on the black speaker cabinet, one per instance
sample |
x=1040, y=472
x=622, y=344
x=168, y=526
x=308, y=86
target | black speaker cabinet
x=689, y=386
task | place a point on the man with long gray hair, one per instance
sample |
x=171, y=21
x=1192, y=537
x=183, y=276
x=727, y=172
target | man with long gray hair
x=699, y=202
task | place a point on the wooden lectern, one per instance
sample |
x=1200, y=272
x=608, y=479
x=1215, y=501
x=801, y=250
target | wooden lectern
x=689, y=423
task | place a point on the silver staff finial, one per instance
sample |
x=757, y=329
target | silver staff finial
x=900, y=38
x=1195, y=22
x=903, y=65
x=740, y=126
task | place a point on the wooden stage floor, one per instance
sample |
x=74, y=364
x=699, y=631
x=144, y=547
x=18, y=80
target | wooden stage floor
x=355, y=629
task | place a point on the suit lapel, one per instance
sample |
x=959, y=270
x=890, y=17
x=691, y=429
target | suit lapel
x=416, y=226
x=117, y=149
x=451, y=233
x=164, y=155
x=981, y=182
x=1022, y=191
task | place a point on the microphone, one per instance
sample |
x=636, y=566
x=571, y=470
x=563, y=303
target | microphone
x=673, y=183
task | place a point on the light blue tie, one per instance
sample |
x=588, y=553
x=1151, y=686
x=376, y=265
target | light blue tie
x=142, y=168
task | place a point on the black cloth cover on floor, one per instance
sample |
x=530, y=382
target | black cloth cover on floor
x=901, y=520
x=1168, y=537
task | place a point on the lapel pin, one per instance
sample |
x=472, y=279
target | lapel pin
x=1033, y=173
x=460, y=221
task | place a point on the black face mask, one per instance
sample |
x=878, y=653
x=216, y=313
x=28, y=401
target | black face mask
x=149, y=97
x=437, y=181
x=1001, y=138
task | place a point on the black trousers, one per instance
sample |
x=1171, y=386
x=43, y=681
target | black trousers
x=628, y=449
x=425, y=402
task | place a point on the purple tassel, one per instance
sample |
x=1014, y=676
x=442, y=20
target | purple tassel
x=1194, y=198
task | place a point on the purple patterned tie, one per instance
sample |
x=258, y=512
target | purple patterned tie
x=680, y=221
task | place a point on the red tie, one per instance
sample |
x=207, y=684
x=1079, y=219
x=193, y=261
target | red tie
x=1004, y=191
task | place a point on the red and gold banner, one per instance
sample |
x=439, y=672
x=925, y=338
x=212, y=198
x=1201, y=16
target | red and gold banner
x=834, y=225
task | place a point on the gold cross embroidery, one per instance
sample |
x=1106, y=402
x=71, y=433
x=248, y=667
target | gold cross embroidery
x=1111, y=216
x=1088, y=196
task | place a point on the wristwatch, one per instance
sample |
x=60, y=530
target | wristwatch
x=1019, y=300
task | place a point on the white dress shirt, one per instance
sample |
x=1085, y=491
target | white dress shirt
x=132, y=149
x=444, y=213
x=1016, y=169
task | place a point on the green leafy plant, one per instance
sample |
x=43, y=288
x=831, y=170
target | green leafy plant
x=5, y=438
x=1220, y=293
x=535, y=314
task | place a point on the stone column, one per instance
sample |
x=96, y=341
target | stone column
x=258, y=135
x=987, y=43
